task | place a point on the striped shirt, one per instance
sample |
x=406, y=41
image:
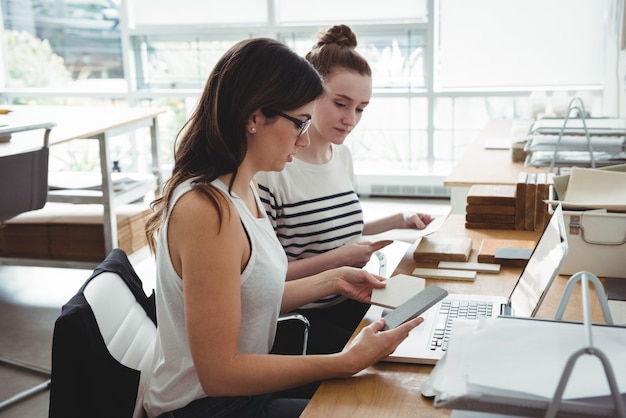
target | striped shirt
x=313, y=207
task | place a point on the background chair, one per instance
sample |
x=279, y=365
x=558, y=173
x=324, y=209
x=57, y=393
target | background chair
x=24, y=187
x=24, y=181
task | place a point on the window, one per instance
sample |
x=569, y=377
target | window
x=84, y=34
x=530, y=44
x=442, y=68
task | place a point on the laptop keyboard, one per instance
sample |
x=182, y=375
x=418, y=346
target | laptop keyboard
x=452, y=309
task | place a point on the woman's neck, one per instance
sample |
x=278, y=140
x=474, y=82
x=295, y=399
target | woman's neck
x=318, y=152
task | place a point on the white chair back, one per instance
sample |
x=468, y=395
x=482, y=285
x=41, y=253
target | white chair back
x=128, y=332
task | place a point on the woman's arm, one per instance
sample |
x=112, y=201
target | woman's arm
x=348, y=281
x=352, y=255
x=405, y=220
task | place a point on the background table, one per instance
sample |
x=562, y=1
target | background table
x=100, y=123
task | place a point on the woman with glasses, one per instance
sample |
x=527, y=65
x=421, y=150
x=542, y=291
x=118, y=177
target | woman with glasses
x=313, y=205
x=220, y=269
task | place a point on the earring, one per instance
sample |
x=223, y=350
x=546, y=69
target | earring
x=252, y=130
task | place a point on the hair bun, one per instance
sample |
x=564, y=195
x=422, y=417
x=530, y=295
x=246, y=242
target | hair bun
x=340, y=35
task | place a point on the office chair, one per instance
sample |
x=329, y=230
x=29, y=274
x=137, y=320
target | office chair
x=24, y=187
x=103, y=344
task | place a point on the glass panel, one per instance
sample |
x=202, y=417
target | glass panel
x=391, y=136
x=458, y=121
x=474, y=113
x=186, y=12
x=178, y=110
x=50, y=42
x=530, y=43
x=350, y=11
x=396, y=57
x=174, y=63
x=450, y=145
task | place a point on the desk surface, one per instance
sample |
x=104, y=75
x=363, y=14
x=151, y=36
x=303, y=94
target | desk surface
x=488, y=166
x=393, y=389
x=72, y=122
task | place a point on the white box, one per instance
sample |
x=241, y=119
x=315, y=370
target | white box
x=597, y=243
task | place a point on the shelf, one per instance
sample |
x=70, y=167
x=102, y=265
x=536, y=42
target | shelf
x=123, y=193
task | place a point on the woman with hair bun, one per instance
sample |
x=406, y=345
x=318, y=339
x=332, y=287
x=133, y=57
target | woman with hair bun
x=313, y=204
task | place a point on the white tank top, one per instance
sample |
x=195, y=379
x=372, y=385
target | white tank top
x=174, y=382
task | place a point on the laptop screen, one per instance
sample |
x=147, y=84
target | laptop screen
x=541, y=269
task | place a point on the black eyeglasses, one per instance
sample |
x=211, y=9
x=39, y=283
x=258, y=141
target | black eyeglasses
x=302, y=125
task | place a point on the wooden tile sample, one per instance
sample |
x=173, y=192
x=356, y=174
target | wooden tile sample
x=520, y=202
x=490, y=209
x=477, y=267
x=512, y=257
x=541, y=208
x=443, y=249
x=531, y=192
x=491, y=194
x=445, y=274
x=489, y=225
x=490, y=218
x=488, y=247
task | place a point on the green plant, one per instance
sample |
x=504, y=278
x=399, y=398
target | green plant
x=31, y=62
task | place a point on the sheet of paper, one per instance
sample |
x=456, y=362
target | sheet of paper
x=595, y=189
x=411, y=235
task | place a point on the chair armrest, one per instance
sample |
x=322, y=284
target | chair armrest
x=306, y=324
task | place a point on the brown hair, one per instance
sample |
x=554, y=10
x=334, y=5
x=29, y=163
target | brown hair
x=254, y=74
x=336, y=47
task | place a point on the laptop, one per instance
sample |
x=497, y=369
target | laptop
x=427, y=343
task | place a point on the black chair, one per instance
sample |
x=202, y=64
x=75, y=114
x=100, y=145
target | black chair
x=24, y=187
x=103, y=345
x=24, y=181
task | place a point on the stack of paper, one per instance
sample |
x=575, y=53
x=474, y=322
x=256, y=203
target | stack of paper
x=509, y=365
x=595, y=189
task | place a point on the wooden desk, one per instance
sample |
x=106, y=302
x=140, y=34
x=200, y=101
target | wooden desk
x=100, y=123
x=393, y=389
x=485, y=166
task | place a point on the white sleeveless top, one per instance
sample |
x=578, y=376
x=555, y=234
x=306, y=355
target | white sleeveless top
x=174, y=382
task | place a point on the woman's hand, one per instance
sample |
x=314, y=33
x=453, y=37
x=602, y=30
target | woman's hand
x=401, y=220
x=356, y=283
x=413, y=220
x=373, y=344
x=358, y=254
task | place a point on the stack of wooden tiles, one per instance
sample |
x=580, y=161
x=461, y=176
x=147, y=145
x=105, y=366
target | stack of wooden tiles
x=491, y=206
x=519, y=207
x=531, y=211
